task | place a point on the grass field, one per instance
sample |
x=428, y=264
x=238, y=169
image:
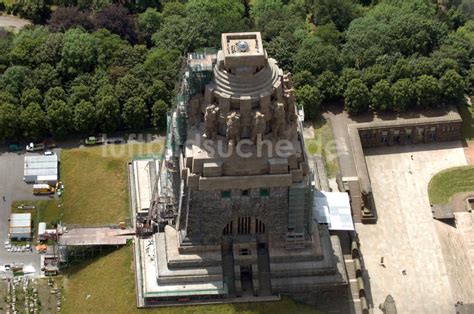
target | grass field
x=106, y=285
x=323, y=143
x=95, y=181
x=445, y=184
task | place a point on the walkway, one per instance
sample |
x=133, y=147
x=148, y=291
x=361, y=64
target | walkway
x=406, y=235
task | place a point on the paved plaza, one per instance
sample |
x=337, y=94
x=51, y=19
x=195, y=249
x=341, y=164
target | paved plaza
x=413, y=245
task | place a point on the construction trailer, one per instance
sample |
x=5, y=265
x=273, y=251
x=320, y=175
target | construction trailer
x=41, y=169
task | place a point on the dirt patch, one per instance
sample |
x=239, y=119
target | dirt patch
x=469, y=152
x=13, y=22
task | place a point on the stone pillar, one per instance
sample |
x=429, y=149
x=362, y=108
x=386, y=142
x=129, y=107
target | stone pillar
x=252, y=225
x=279, y=91
x=224, y=103
x=235, y=224
x=246, y=115
x=208, y=93
x=237, y=280
x=255, y=282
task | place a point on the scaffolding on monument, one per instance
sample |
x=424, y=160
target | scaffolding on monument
x=167, y=189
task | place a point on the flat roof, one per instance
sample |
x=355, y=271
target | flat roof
x=35, y=165
x=334, y=209
x=20, y=220
x=143, y=184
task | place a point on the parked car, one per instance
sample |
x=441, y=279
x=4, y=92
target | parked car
x=32, y=147
x=94, y=140
x=13, y=147
x=49, y=153
x=115, y=140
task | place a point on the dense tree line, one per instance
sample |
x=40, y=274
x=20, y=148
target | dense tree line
x=103, y=65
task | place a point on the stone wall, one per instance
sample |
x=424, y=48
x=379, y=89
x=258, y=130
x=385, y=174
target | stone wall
x=210, y=212
x=410, y=134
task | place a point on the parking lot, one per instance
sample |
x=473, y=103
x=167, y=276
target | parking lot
x=13, y=188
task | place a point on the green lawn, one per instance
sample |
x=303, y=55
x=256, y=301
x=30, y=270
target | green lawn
x=445, y=184
x=95, y=181
x=467, y=114
x=323, y=144
x=109, y=283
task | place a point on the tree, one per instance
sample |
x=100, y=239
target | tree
x=129, y=86
x=381, y=96
x=79, y=53
x=54, y=93
x=37, y=11
x=310, y=98
x=26, y=43
x=134, y=113
x=207, y=19
x=60, y=117
x=356, y=97
x=159, y=112
x=163, y=64
x=10, y=124
x=374, y=74
x=34, y=122
x=304, y=78
x=15, y=79
x=31, y=95
x=273, y=18
x=117, y=20
x=108, y=113
x=157, y=91
x=403, y=95
x=404, y=27
x=470, y=81
x=327, y=84
x=452, y=87
x=316, y=57
x=174, y=8
x=347, y=75
x=175, y=33
x=44, y=76
x=339, y=12
x=49, y=50
x=149, y=23
x=427, y=91
x=329, y=34
x=85, y=117
x=64, y=18
x=283, y=48
x=109, y=47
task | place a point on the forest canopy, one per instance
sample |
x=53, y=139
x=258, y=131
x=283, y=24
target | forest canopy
x=90, y=66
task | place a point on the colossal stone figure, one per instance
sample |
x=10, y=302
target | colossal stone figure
x=278, y=120
x=290, y=105
x=210, y=120
x=287, y=81
x=195, y=115
x=259, y=126
x=233, y=128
